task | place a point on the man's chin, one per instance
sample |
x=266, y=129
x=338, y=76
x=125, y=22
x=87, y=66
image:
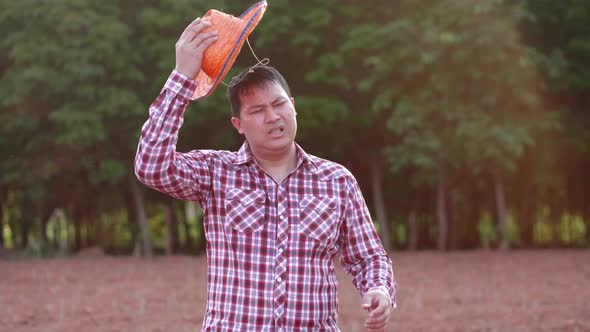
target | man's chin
x=276, y=145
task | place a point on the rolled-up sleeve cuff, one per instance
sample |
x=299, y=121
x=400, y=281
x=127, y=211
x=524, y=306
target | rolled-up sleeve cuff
x=181, y=85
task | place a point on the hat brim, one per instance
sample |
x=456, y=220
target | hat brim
x=206, y=84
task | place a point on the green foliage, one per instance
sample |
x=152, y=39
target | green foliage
x=542, y=233
x=513, y=230
x=424, y=87
x=7, y=232
x=111, y=171
x=310, y=119
x=561, y=30
x=39, y=249
x=559, y=34
x=401, y=234
x=487, y=229
x=117, y=230
x=572, y=230
x=450, y=110
x=569, y=230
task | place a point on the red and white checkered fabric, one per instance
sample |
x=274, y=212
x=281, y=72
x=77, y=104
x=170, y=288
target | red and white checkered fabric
x=270, y=247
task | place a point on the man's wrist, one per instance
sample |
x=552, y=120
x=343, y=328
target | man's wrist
x=382, y=290
x=180, y=84
x=184, y=72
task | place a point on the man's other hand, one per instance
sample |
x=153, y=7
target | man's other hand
x=379, y=307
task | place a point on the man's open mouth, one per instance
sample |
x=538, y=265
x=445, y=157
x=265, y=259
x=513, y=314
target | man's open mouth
x=277, y=130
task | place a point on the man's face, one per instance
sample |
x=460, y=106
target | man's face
x=267, y=118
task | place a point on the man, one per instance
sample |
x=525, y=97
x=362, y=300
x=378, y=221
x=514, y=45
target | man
x=275, y=217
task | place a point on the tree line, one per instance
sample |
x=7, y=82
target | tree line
x=466, y=123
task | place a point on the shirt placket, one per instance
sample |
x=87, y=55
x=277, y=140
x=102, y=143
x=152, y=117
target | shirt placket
x=282, y=237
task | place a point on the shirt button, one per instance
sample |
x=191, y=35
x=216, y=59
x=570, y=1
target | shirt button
x=280, y=250
x=281, y=217
x=279, y=279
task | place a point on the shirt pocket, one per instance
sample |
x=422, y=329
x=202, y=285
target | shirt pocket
x=319, y=218
x=245, y=210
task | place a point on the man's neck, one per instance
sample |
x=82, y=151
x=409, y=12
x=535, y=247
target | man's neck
x=277, y=164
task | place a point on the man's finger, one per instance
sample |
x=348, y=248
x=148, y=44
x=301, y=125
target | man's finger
x=379, y=317
x=377, y=320
x=370, y=301
x=188, y=27
x=376, y=327
x=194, y=31
x=380, y=309
x=206, y=43
x=203, y=41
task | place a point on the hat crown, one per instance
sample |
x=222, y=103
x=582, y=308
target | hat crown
x=228, y=29
x=219, y=57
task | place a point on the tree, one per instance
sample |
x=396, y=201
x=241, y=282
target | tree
x=559, y=34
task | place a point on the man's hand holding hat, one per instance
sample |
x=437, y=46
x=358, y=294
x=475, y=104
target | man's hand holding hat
x=191, y=46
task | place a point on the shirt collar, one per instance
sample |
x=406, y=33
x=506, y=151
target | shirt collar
x=303, y=158
x=244, y=156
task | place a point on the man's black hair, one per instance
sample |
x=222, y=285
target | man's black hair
x=255, y=76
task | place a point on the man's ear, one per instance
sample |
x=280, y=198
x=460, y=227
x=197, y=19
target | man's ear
x=235, y=121
x=293, y=103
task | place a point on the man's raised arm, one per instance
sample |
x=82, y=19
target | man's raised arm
x=157, y=164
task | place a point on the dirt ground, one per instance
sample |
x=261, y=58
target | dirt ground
x=463, y=291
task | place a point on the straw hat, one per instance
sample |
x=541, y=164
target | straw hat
x=220, y=56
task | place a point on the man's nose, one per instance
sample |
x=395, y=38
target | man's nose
x=271, y=115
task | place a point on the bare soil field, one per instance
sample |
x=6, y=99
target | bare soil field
x=546, y=290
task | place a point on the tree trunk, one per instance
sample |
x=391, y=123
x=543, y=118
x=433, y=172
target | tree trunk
x=64, y=242
x=97, y=237
x=473, y=211
x=84, y=235
x=77, y=220
x=179, y=210
x=554, y=219
x=141, y=216
x=56, y=234
x=171, y=229
x=132, y=219
x=24, y=243
x=1, y=224
x=526, y=222
x=201, y=242
x=452, y=222
x=89, y=239
x=501, y=213
x=14, y=239
x=412, y=232
x=377, y=184
x=42, y=224
x=174, y=208
x=441, y=212
x=188, y=243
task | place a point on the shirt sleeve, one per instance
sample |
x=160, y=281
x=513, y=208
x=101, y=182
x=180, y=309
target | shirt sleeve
x=157, y=164
x=362, y=254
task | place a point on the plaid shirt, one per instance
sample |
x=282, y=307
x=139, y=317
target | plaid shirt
x=270, y=247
